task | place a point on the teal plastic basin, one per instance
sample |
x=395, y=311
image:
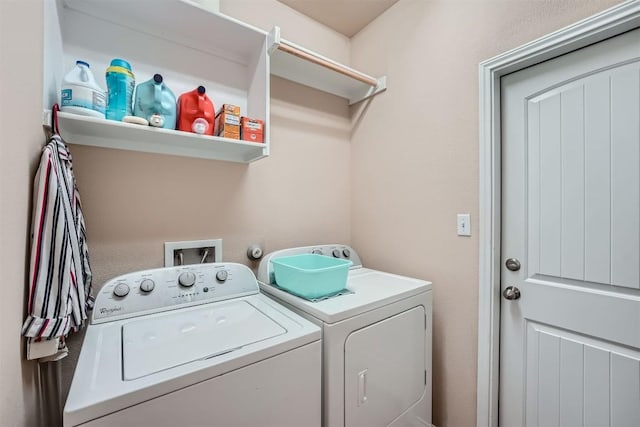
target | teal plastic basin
x=310, y=275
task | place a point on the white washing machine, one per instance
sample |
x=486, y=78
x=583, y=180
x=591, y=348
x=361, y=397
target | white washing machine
x=376, y=343
x=195, y=346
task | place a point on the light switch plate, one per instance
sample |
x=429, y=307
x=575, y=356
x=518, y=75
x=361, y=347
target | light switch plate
x=464, y=225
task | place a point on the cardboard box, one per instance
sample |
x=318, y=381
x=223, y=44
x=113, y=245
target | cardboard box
x=228, y=121
x=233, y=110
x=251, y=129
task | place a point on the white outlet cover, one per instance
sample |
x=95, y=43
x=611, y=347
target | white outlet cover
x=169, y=247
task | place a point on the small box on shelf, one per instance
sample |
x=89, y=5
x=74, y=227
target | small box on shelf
x=228, y=121
x=251, y=129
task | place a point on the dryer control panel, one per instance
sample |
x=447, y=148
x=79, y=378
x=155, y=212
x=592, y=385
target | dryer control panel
x=161, y=289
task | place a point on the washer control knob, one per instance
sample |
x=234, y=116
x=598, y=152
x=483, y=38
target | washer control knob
x=346, y=252
x=121, y=290
x=147, y=285
x=317, y=251
x=221, y=276
x=336, y=253
x=187, y=279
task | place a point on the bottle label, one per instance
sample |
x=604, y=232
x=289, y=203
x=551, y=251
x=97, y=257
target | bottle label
x=83, y=97
x=231, y=120
x=66, y=96
x=99, y=101
x=199, y=126
x=252, y=125
x=120, y=87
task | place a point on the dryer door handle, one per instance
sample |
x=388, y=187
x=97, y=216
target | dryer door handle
x=362, y=387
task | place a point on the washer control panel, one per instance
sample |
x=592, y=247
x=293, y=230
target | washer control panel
x=160, y=289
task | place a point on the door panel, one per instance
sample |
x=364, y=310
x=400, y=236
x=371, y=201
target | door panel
x=597, y=219
x=596, y=387
x=570, y=346
x=550, y=196
x=586, y=206
x=384, y=369
x=576, y=380
x=605, y=314
x=625, y=96
x=572, y=178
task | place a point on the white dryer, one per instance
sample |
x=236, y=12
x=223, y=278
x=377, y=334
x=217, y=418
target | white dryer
x=194, y=346
x=376, y=343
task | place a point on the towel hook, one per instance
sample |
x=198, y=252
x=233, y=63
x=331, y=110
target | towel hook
x=54, y=118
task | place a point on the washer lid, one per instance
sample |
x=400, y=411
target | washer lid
x=163, y=342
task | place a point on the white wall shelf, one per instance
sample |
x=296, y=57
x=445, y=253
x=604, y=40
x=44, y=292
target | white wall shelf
x=293, y=62
x=225, y=56
x=84, y=130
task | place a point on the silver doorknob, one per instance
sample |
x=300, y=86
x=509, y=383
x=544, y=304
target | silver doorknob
x=512, y=264
x=511, y=293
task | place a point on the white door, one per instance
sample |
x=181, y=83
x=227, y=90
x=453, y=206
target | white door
x=570, y=345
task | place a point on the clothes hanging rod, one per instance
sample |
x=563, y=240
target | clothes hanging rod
x=285, y=47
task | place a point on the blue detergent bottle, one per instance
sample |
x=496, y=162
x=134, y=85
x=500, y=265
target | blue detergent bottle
x=156, y=103
x=120, y=85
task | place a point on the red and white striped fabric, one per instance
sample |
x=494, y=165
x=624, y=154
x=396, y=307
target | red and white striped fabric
x=59, y=274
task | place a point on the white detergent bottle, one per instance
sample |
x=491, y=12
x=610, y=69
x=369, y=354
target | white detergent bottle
x=81, y=94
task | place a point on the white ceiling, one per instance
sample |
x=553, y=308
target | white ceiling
x=345, y=16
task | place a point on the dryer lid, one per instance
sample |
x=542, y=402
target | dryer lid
x=158, y=343
x=370, y=289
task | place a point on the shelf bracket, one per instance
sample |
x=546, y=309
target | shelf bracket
x=46, y=118
x=273, y=40
x=380, y=86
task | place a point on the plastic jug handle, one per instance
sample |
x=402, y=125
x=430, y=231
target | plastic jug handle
x=157, y=92
x=84, y=75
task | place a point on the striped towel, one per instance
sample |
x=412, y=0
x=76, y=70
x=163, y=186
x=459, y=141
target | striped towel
x=59, y=274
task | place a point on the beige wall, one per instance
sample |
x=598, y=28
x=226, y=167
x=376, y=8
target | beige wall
x=393, y=197
x=414, y=159
x=294, y=26
x=22, y=137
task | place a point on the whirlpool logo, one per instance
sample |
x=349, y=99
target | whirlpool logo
x=110, y=310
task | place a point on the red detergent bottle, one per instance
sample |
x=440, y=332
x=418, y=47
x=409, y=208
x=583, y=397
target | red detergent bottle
x=196, y=112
